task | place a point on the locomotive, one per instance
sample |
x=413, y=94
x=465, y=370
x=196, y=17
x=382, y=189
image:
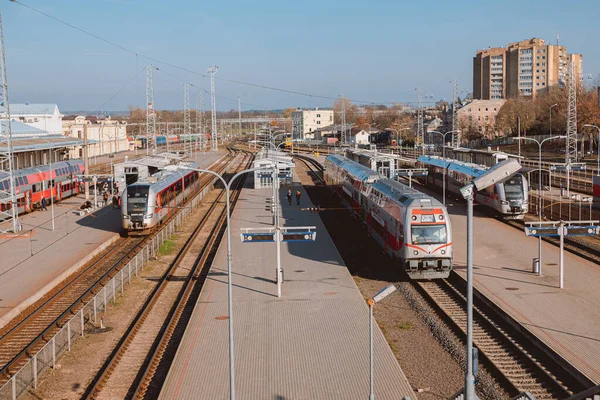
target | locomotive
x=411, y=227
x=508, y=198
x=148, y=202
x=33, y=184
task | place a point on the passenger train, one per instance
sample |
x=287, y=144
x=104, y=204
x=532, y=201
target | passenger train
x=33, y=184
x=412, y=227
x=508, y=198
x=147, y=202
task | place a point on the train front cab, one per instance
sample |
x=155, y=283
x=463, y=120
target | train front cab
x=428, y=245
x=135, y=211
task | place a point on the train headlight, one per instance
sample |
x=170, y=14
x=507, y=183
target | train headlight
x=504, y=202
x=149, y=216
x=443, y=251
x=415, y=252
x=414, y=217
x=125, y=216
x=441, y=217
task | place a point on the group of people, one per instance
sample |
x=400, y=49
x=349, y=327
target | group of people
x=289, y=197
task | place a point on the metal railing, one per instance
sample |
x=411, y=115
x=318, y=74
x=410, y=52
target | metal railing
x=521, y=396
x=74, y=328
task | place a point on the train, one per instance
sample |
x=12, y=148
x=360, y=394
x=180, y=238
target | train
x=33, y=184
x=412, y=228
x=141, y=140
x=508, y=198
x=149, y=201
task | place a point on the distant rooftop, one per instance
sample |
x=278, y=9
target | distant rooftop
x=32, y=108
x=18, y=128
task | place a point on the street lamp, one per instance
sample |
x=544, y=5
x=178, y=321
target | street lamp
x=443, y=135
x=397, y=132
x=498, y=172
x=382, y=294
x=597, y=145
x=539, y=207
x=227, y=186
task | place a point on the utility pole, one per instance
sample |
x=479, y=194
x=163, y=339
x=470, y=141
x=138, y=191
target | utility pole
x=240, y=113
x=187, y=123
x=150, y=113
x=455, y=129
x=343, y=121
x=6, y=158
x=420, y=136
x=86, y=160
x=571, y=150
x=213, y=139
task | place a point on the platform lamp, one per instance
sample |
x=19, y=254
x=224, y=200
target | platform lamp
x=382, y=294
x=493, y=175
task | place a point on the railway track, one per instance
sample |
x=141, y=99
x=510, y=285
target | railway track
x=37, y=325
x=503, y=353
x=139, y=362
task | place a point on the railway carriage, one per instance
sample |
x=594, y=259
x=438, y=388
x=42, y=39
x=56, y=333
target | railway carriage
x=508, y=198
x=33, y=184
x=410, y=226
x=147, y=202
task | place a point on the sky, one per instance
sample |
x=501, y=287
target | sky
x=369, y=51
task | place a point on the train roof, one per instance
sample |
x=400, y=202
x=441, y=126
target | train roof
x=403, y=194
x=470, y=169
x=166, y=174
x=41, y=168
x=373, y=154
x=358, y=171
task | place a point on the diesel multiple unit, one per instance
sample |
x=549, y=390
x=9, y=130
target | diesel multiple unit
x=411, y=227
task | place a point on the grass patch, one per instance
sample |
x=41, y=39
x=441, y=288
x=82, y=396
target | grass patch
x=167, y=247
x=405, y=325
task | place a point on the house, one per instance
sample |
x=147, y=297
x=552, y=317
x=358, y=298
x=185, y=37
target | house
x=46, y=117
x=109, y=135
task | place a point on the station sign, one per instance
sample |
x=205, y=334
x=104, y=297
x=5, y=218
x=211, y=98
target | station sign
x=568, y=167
x=298, y=236
x=421, y=172
x=253, y=237
x=538, y=231
x=569, y=230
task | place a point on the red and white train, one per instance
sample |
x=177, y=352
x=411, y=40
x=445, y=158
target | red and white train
x=411, y=227
x=33, y=184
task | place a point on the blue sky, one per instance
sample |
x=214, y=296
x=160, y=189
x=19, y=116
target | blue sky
x=374, y=51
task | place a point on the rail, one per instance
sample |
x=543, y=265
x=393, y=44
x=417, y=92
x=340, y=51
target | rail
x=27, y=376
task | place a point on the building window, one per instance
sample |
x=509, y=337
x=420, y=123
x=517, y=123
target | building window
x=318, y=115
x=486, y=109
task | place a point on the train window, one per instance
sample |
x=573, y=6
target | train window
x=26, y=180
x=432, y=234
x=20, y=181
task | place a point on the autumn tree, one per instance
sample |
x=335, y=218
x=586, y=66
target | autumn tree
x=350, y=109
x=514, y=110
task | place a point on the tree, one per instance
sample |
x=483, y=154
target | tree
x=350, y=109
x=513, y=110
x=287, y=113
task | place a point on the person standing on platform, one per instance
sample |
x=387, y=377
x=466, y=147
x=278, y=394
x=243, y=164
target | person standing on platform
x=289, y=197
x=115, y=202
x=44, y=204
x=298, y=195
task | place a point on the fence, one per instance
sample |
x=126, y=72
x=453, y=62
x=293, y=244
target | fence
x=74, y=328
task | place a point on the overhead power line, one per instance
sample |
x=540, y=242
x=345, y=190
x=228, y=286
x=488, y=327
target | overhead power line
x=155, y=60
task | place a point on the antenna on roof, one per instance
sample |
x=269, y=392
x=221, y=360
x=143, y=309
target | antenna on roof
x=557, y=38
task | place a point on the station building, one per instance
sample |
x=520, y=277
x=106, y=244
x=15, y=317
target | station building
x=45, y=117
x=105, y=136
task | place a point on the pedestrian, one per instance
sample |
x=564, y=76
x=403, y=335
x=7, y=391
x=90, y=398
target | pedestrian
x=289, y=197
x=298, y=195
x=115, y=202
x=105, y=197
x=44, y=203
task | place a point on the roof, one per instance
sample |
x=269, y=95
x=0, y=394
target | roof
x=18, y=128
x=32, y=108
x=403, y=194
x=375, y=154
x=49, y=142
x=473, y=170
x=356, y=170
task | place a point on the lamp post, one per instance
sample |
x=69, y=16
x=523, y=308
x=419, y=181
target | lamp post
x=382, y=294
x=443, y=135
x=539, y=207
x=227, y=186
x=597, y=145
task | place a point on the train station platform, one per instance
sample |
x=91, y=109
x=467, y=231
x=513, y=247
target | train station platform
x=566, y=320
x=35, y=261
x=312, y=343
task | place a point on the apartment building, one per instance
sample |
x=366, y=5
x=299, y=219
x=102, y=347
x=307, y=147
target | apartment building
x=480, y=114
x=305, y=122
x=523, y=68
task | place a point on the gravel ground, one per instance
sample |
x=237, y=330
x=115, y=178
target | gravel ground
x=429, y=353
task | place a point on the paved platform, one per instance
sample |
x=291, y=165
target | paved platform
x=40, y=257
x=312, y=343
x=567, y=320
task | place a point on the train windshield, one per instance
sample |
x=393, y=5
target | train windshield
x=513, y=188
x=137, y=199
x=428, y=234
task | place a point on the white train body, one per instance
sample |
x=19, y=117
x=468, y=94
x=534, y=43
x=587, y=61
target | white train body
x=410, y=226
x=146, y=203
x=507, y=198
